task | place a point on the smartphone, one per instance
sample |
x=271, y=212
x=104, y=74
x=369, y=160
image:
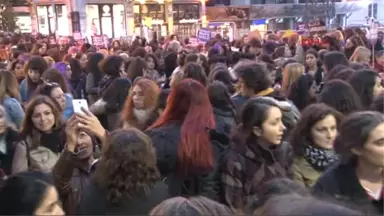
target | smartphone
x=78, y=104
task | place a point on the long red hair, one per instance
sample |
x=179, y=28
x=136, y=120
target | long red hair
x=189, y=103
x=151, y=91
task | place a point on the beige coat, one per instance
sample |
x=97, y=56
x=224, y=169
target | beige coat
x=304, y=173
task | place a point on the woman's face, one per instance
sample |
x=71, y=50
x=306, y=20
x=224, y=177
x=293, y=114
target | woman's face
x=366, y=59
x=123, y=73
x=43, y=118
x=380, y=60
x=58, y=95
x=312, y=90
x=373, y=150
x=3, y=122
x=84, y=146
x=272, y=129
x=349, y=44
x=68, y=71
x=272, y=76
x=43, y=49
x=115, y=45
x=150, y=63
x=83, y=61
x=50, y=204
x=19, y=72
x=378, y=88
x=138, y=97
x=310, y=60
x=324, y=132
x=34, y=75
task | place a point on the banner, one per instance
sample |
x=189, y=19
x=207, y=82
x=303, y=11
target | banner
x=204, y=35
x=98, y=40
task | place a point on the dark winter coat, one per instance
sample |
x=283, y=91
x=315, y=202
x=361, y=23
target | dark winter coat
x=166, y=140
x=341, y=184
x=246, y=168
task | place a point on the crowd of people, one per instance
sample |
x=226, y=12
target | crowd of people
x=263, y=127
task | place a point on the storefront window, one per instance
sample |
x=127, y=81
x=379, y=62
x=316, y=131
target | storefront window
x=47, y=19
x=182, y=13
x=186, y=18
x=93, y=22
x=42, y=14
x=106, y=19
x=118, y=21
x=24, y=23
x=155, y=11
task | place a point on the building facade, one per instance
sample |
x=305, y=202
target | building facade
x=114, y=18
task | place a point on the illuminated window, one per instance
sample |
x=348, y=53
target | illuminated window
x=185, y=12
x=47, y=19
x=155, y=11
x=106, y=19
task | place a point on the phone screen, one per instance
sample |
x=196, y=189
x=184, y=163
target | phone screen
x=78, y=104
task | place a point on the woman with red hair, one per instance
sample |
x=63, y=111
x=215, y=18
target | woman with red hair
x=181, y=137
x=140, y=104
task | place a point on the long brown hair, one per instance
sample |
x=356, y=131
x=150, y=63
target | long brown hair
x=27, y=128
x=8, y=85
x=127, y=167
x=151, y=91
x=291, y=73
x=189, y=103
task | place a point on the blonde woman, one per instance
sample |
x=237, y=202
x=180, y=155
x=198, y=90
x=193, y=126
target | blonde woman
x=361, y=55
x=290, y=74
x=50, y=61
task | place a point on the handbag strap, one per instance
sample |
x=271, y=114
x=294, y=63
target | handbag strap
x=28, y=155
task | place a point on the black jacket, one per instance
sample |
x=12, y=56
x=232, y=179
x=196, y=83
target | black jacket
x=341, y=184
x=166, y=141
x=11, y=138
x=225, y=120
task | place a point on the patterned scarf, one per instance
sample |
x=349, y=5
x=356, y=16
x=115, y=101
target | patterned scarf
x=320, y=159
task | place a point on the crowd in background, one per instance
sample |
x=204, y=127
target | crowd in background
x=256, y=126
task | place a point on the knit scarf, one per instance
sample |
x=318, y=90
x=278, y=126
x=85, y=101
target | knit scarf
x=265, y=92
x=319, y=159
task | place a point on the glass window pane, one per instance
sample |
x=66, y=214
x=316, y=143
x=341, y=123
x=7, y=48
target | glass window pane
x=93, y=23
x=118, y=20
x=106, y=21
x=62, y=20
x=42, y=15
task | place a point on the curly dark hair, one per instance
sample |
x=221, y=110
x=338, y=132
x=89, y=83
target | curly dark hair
x=254, y=75
x=127, y=167
x=301, y=134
